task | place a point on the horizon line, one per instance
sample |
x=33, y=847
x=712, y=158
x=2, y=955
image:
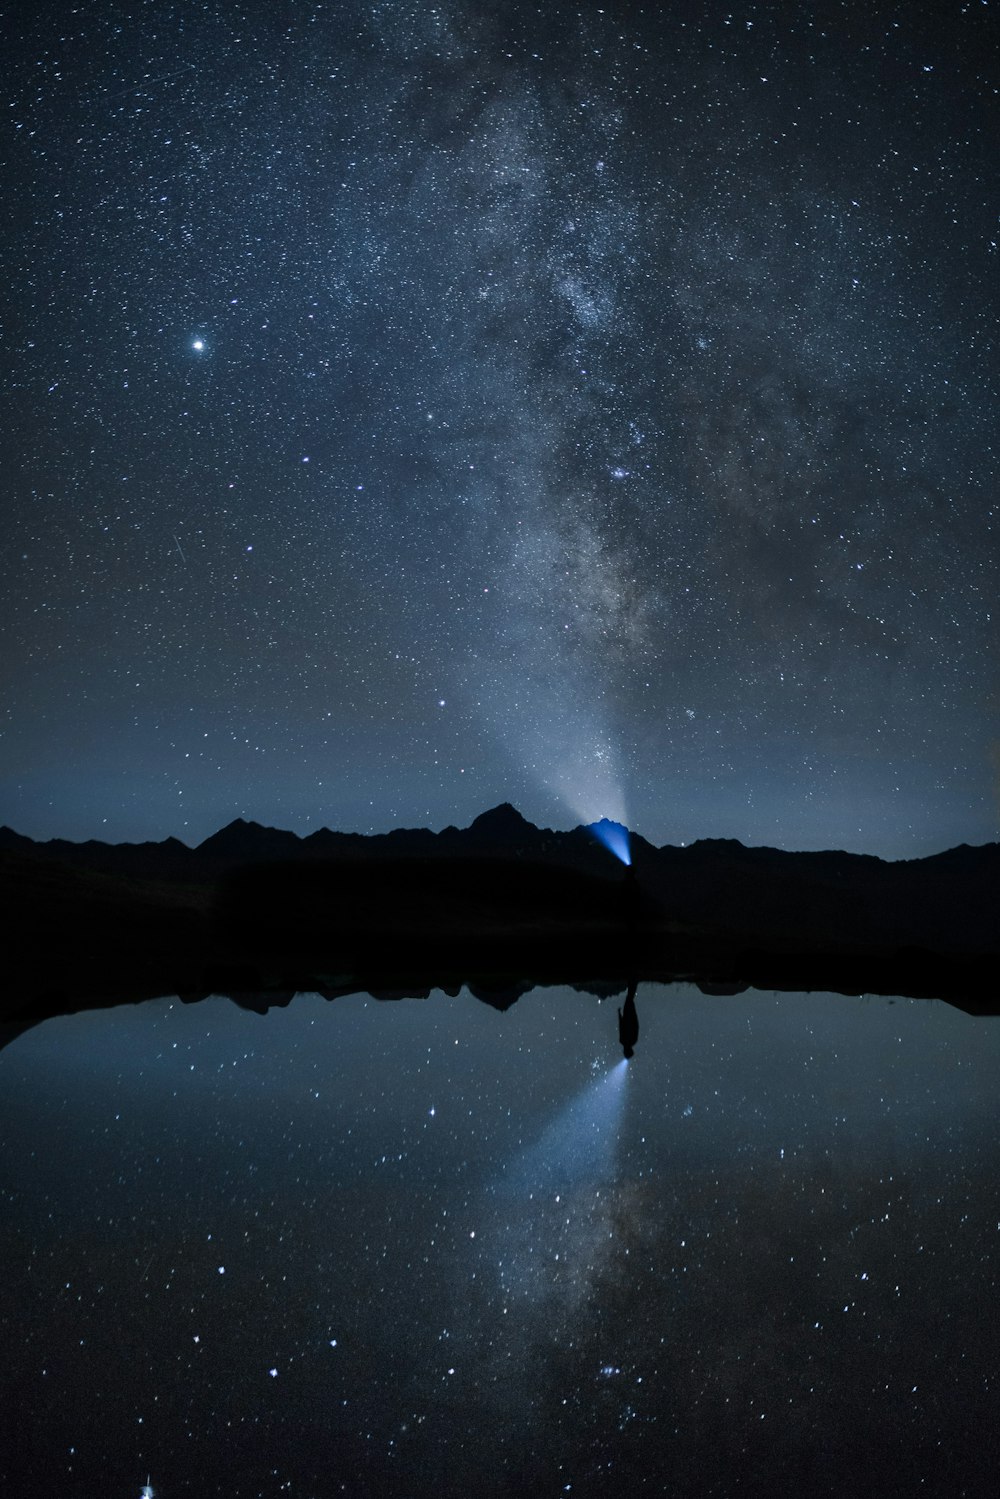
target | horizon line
x=587, y=827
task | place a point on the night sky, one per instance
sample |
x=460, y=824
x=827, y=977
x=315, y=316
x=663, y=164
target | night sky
x=409, y=408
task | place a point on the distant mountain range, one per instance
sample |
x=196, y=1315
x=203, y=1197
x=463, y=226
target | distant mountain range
x=949, y=900
x=254, y=905
x=500, y=830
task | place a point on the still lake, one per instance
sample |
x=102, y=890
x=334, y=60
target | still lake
x=432, y=1248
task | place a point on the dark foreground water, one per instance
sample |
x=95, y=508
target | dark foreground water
x=428, y=1248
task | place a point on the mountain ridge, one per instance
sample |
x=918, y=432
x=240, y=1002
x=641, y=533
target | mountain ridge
x=253, y=906
x=497, y=824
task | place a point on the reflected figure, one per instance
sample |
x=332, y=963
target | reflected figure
x=628, y=1021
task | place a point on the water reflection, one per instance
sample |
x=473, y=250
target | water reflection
x=436, y=1247
x=628, y=1023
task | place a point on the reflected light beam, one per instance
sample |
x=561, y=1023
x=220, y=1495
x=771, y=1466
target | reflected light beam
x=580, y=1144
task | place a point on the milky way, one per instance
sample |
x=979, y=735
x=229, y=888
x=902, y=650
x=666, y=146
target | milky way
x=432, y=1249
x=414, y=408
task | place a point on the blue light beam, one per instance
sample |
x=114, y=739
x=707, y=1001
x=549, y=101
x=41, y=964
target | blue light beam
x=614, y=836
x=580, y=1144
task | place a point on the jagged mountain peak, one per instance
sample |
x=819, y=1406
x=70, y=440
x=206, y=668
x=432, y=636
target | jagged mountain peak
x=249, y=838
x=502, y=822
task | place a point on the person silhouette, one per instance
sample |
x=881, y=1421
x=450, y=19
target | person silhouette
x=630, y=897
x=628, y=1021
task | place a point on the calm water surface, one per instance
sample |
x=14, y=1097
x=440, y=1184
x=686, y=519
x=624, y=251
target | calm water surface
x=430, y=1248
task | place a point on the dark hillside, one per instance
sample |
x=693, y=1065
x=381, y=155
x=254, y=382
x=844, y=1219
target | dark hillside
x=258, y=908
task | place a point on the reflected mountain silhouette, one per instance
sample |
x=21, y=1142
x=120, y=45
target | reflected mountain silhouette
x=498, y=907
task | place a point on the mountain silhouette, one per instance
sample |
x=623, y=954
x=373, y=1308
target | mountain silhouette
x=502, y=827
x=240, y=841
x=501, y=903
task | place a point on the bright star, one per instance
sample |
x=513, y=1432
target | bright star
x=198, y=345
